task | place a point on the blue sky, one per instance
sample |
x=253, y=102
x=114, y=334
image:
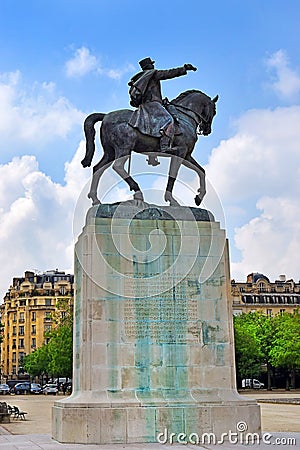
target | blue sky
x=60, y=61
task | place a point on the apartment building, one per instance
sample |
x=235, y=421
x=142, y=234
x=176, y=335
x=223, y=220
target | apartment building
x=258, y=293
x=27, y=315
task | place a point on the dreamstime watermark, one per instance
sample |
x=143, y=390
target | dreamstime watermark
x=238, y=437
x=167, y=271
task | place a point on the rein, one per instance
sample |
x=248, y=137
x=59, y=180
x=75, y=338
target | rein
x=197, y=118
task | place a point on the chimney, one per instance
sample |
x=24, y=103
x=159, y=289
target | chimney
x=282, y=278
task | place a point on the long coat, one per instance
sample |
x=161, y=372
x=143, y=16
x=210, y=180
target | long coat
x=151, y=117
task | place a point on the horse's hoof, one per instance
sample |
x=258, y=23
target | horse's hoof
x=138, y=196
x=197, y=200
x=169, y=198
x=86, y=163
x=95, y=199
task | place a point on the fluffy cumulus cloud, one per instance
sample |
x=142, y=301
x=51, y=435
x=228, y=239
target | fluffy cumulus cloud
x=36, y=216
x=33, y=115
x=285, y=81
x=84, y=62
x=257, y=175
x=270, y=242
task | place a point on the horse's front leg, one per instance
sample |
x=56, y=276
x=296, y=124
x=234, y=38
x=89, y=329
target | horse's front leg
x=191, y=163
x=98, y=170
x=173, y=172
x=118, y=167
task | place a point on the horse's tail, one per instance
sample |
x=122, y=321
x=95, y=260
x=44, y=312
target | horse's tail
x=89, y=131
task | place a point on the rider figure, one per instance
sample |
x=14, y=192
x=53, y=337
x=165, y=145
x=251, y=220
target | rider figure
x=151, y=117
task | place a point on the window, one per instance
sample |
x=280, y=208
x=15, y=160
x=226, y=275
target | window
x=14, y=343
x=47, y=328
x=15, y=317
x=281, y=311
x=48, y=302
x=14, y=330
x=47, y=340
x=33, y=329
x=48, y=316
x=33, y=343
x=262, y=287
x=22, y=302
x=33, y=316
x=21, y=343
x=14, y=357
x=21, y=330
x=14, y=369
x=21, y=317
x=269, y=312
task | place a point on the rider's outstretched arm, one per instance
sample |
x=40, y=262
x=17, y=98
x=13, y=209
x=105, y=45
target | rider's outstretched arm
x=173, y=73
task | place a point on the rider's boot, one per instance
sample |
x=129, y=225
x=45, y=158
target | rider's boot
x=152, y=160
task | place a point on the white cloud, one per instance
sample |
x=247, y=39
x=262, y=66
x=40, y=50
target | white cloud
x=83, y=62
x=33, y=115
x=36, y=217
x=262, y=157
x=286, y=82
x=270, y=243
x=257, y=175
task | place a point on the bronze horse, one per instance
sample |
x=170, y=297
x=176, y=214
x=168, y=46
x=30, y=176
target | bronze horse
x=193, y=112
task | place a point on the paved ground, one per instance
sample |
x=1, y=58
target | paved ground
x=280, y=420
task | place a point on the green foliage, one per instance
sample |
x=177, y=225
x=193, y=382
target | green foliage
x=272, y=341
x=55, y=358
x=37, y=362
x=286, y=345
x=247, y=352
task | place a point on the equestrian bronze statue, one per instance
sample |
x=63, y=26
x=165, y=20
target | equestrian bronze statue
x=156, y=127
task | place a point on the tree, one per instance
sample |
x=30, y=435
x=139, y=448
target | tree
x=248, y=358
x=286, y=344
x=258, y=329
x=61, y=340
x=37, y=363
x=60, y=347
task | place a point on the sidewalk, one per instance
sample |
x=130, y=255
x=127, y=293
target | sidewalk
x=45, y=442
x=281, y=420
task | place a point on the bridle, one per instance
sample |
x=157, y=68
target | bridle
x=196, y=117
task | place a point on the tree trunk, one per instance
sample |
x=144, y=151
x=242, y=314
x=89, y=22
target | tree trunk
x=269, y=369
x=287, y=381
x=293, y=378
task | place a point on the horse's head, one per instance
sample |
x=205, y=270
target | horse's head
x=206, y=115
x=202, y=107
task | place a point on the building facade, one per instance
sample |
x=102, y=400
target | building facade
x=27, y=315
x=259, y=294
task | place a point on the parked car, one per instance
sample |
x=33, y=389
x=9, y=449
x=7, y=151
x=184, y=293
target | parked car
x=35, y=388
x=21, y=388
x=248, y=383
x=50, y=389
x=4, y=389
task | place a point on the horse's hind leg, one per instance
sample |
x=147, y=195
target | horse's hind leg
x=98, y=170
x=118, y=167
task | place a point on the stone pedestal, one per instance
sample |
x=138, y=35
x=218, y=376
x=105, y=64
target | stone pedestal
x=153, y=338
